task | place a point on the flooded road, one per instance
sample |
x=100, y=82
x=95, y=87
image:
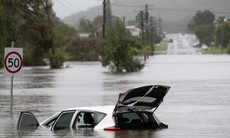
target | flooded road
x=182, y=44
x=197, y=105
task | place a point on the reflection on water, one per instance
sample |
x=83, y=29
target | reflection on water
x=197, y=104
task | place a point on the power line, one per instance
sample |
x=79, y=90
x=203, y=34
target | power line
x=191, y=11
x=67, y=5
x=129, y=6
x=74, y=6
x=166, y=9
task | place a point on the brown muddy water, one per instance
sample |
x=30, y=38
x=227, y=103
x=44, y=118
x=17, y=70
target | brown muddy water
x=197, y=105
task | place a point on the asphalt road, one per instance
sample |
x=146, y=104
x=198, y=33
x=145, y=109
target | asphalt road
x=181, y=44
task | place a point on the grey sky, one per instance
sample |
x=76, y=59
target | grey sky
x=64, y=8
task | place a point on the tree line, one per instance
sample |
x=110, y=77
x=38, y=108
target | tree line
x=33, y=25
x=211, y=30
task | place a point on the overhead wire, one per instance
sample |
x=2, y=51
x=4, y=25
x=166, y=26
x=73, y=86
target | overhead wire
x=66, y=4
x=165, y=9
x=74, y=6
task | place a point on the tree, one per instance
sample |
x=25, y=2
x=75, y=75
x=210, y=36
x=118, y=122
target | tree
x=84, y=49
x=86, y=26
x=202, y=25
x=205, y=17
x=97, y=22
x=118, y=50
x=140, y=18
x=38, y=23
x=222, y=34
x=38, y=20
x=205, y=33
x=220, y=19
x=8, y=27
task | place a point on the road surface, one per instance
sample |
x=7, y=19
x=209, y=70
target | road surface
x=181, y=44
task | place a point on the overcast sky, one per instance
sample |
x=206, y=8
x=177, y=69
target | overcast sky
x=64, y=8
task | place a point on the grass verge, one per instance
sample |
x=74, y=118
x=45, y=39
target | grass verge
x=215, y=50
x=162, y=47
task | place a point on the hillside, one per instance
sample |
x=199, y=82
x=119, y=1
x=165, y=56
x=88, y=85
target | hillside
x=175, y=14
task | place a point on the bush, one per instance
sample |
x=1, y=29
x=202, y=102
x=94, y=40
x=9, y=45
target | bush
x=1, y=61
x=84, y=49
x=229, y=51
x=134, y=66
x=33, y=57
x=56, y=60
x=229, y=48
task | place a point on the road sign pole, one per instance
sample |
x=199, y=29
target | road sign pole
x=11, y=96
x=13, y=63
x=11, y=90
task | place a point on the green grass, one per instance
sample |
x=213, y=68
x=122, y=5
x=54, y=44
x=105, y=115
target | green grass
x=215, y=50
x=162, y=47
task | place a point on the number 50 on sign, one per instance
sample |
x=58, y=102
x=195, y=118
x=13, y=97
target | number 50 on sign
x=13, y=61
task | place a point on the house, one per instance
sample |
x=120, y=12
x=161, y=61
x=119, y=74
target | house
x=134, y=30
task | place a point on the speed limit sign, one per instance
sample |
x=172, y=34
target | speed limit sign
x=13, y=60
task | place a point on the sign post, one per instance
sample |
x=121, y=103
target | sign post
x=13, y=63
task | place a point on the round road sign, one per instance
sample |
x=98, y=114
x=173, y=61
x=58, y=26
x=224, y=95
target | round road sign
x=13, y=62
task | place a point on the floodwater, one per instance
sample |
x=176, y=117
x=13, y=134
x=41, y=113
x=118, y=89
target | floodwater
x=197, y=105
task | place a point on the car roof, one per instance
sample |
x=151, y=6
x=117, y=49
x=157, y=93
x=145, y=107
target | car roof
x=106, y=122
x=104, y=109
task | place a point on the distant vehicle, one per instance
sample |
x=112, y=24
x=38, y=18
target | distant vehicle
x=197, y=44
x=170, y=40
x=163, y=35
x=134, y=110
x=204, y=47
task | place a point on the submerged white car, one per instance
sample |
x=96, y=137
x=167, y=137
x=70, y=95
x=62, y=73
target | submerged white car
x=133, y=110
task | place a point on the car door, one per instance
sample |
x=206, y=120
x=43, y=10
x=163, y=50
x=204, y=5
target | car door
x=145, y=97
x=64, y=120
x=27, y=121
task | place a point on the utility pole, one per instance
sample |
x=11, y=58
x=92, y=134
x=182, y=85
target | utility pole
x=124, y=20
x=222, y=39
x=142, y=27
x=104, y=19
x=159, y=26
x=147, y=21
x=151, y=31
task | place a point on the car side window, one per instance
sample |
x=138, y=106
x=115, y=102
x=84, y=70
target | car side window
x=63, y=120
x=85, y=119
x=51, y=122
x=88, y=119
x=98, y=117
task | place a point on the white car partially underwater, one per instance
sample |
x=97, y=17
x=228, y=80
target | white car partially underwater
x=134, y=110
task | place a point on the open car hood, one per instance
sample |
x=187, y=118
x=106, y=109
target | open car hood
x=144, y=98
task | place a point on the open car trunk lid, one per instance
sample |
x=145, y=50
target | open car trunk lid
x=141, y=98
